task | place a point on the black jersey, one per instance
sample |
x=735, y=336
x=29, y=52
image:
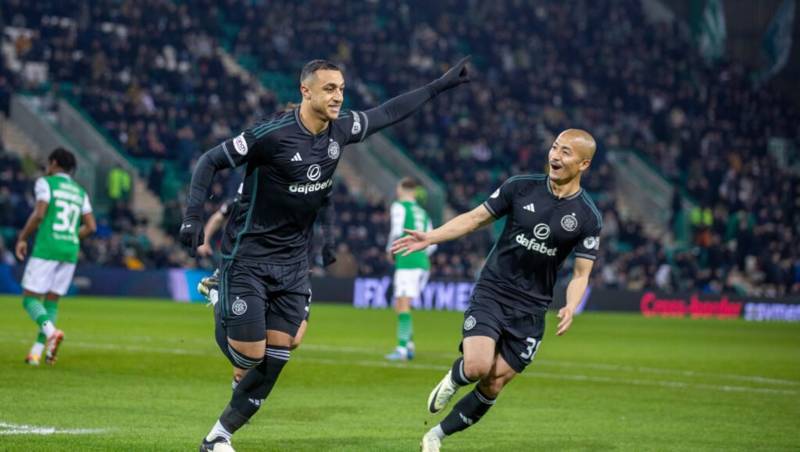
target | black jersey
x=288, y=176
x=541, y=231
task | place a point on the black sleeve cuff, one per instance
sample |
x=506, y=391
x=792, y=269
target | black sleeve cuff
x=489, y=208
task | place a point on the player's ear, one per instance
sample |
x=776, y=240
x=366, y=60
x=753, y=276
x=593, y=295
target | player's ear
x=585, y=164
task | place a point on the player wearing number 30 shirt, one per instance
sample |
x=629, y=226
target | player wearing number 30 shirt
x=548, y=217
x=61, y=218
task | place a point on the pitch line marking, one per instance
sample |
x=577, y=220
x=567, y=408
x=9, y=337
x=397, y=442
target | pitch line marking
x=589, y=365
x=532, y=374
x=542, y=362
x=22, y=429
x=573, y=377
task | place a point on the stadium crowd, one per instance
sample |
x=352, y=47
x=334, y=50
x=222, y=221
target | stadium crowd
x=151, y=75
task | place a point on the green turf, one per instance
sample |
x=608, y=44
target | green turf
x=149, y=376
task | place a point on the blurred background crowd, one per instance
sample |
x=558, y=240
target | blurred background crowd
x=155, y=79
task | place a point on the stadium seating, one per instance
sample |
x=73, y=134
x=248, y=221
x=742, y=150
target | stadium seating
x=151, y=76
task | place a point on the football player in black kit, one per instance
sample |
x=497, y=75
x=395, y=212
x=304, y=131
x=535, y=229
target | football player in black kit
x=548, y=217
x=290, y=159
x=324, y=254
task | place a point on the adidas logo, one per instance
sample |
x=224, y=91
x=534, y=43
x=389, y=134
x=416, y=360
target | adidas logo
x=297, y=157
x=529, y=208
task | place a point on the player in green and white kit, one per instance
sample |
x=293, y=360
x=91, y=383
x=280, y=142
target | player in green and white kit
x=411, y=272
x=62, y=216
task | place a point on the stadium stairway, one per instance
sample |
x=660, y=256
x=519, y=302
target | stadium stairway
x=15, y=141
x=144, y=203
x=644, y=195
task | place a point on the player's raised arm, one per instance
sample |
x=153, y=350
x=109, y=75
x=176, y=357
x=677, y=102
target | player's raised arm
x=400, y=107
x=453, y=229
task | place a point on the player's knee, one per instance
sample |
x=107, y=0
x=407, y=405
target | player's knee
x=491, y=386
x=475, y=369
x=246, y=359
x=402, y=304
x=296, y=342
x=298, y=337
x=280, y=338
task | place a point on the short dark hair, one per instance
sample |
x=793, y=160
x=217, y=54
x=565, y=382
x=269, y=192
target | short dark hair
x=318, y=65
x=409, y=183
x=63, y=158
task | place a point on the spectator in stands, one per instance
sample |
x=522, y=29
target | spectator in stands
x=156, y=177
x=155, y=85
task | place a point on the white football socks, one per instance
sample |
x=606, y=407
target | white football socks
x=218, y=431
x=37, y=349
x=48, y=328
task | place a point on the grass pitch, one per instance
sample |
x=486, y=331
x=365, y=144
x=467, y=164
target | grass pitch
x=146, y=375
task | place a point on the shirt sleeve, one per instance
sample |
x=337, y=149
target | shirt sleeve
x=354, y=126
x=589, y=241
x=231, y=153
x=358, y=125
x=501, y=201
x=253, y=142
x=398, y=216
x=86, y=208
x=240, y=148
x=42, y=190
x=395, y=110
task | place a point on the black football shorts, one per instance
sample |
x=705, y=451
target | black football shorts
x=255, y=297
x=517, y=333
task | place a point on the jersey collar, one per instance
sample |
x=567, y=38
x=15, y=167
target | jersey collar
x=303, y=127
x=63, y=175
x=572, y=196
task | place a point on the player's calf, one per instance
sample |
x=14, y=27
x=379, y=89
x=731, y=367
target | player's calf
x=478, y=363
x=232, y=419
x=467, y=412
x=492, y=385
x=473, y=406
x=251, y=392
